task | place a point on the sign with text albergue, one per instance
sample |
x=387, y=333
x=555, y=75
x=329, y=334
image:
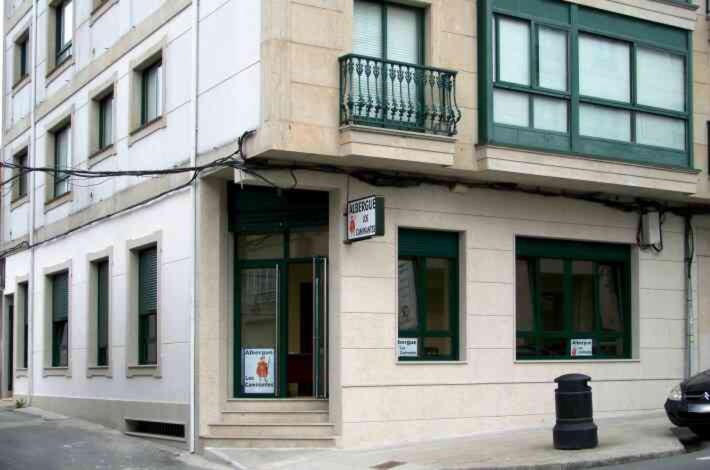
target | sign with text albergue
x=365, y=218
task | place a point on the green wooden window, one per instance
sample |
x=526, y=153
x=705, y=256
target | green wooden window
x=564, y=78
x=428, y=293
x=106, y=121
x=62, y=149
x=22, y=175
x=60, y=319
x=24, y=292
x=152, y=93
x=148, y=306
x=570, y=294
x=102, y=312
x=64, y=29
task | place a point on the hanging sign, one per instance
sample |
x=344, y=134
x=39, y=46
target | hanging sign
x=258, y=371
x=365, y=218
x=407, y=347
x=581, y=348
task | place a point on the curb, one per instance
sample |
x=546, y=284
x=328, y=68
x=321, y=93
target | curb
x=592, y=463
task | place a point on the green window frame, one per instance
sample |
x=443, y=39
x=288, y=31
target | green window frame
x=60, y=319
x=62, y=149
x=641, y=37
x=428, y=261
x=64, y=26
x=22, y=175
x=148, y=306
x=152, y=92
x=106, y=121
x=24, y=292
x=569, y=290
x=102, y=312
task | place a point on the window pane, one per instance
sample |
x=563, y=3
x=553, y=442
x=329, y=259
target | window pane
x=261, y=246
x=514, y=51
x=62, y=150
x=106, y=122
x=308, y=244
x=554, y=347
x=436, y=347
x=152, y=93
x=661, y=79
x=402, y=34
x=609, y=298
x=552, y=294
x=438, y=294
x=604, y=123
x=525, y=348
x=604, y=70
x=524, y=275
x=552, y=51
x=550, y=114
x=148, y=281
x=612, y=347
x=660, y=131
x=67, y=22
x=583, y=295
x=367, y=29
x=511, y=108
x=407, y=292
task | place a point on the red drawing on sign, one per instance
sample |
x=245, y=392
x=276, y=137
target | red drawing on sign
x=352, y=224
x=262, y=369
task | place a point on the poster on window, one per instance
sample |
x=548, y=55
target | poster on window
x=258, y=371
x=407, y=296
x=407, y=347
x=581, y=348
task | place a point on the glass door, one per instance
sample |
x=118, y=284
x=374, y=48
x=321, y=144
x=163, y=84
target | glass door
x=258, y=302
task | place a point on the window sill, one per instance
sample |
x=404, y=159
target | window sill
x=58, y=201
x=99, y=11
x=398, y=133
x=58, y=69
x=431, y=363
x=679, y=3
x=152, y=370
x=577, y=361
x=99, y=371
x=147, y=129
x=20, y=84
x=21, y=373
x=56, y=372
x=19, y=202
x=101, y=155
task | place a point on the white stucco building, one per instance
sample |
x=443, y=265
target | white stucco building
x=522, y=150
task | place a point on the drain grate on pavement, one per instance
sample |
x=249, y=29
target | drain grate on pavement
x=387, y=465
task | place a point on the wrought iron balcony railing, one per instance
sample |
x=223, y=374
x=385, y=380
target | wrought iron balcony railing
x=397, y=95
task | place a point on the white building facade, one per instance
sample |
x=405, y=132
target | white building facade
x=520, y=151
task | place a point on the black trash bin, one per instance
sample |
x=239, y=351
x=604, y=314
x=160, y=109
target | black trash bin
x=575, y=428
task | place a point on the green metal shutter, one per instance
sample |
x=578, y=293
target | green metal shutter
x=148, y=281
x=60, y=297
x=428, y=243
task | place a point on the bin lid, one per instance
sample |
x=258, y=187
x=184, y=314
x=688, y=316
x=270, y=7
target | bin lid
x=573, y=382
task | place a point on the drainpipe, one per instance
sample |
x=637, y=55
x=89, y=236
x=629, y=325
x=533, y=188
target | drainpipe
x=31, y=284
x=194, y=382
x=691, y=364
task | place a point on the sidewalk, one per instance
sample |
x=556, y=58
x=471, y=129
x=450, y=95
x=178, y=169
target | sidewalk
x=621, y=440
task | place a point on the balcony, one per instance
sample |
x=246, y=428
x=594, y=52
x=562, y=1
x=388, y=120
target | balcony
x=397, y=111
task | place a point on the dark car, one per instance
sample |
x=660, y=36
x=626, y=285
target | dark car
x=688, y=404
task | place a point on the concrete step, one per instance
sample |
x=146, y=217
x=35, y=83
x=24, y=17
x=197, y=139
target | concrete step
x=275, y=405
x=275, y=417
x=272, y=431
x=207, y=442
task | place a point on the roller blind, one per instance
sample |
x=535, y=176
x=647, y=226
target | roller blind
x=403, y=34
x=367, y=29
x=60, y=297
x=148, y=281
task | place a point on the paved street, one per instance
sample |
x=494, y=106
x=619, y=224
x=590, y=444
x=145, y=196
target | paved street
x=693, y=461
x=57, y=443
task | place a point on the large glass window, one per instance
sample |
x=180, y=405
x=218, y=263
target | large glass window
x=428, y=295
x=572, y=300
x=605, y=85
x=60, y=319
x=148, y=306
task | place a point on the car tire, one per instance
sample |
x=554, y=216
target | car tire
x=703, y=432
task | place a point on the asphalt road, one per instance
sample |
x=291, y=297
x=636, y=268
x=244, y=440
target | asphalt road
x=697, y=458
x=35, y=442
